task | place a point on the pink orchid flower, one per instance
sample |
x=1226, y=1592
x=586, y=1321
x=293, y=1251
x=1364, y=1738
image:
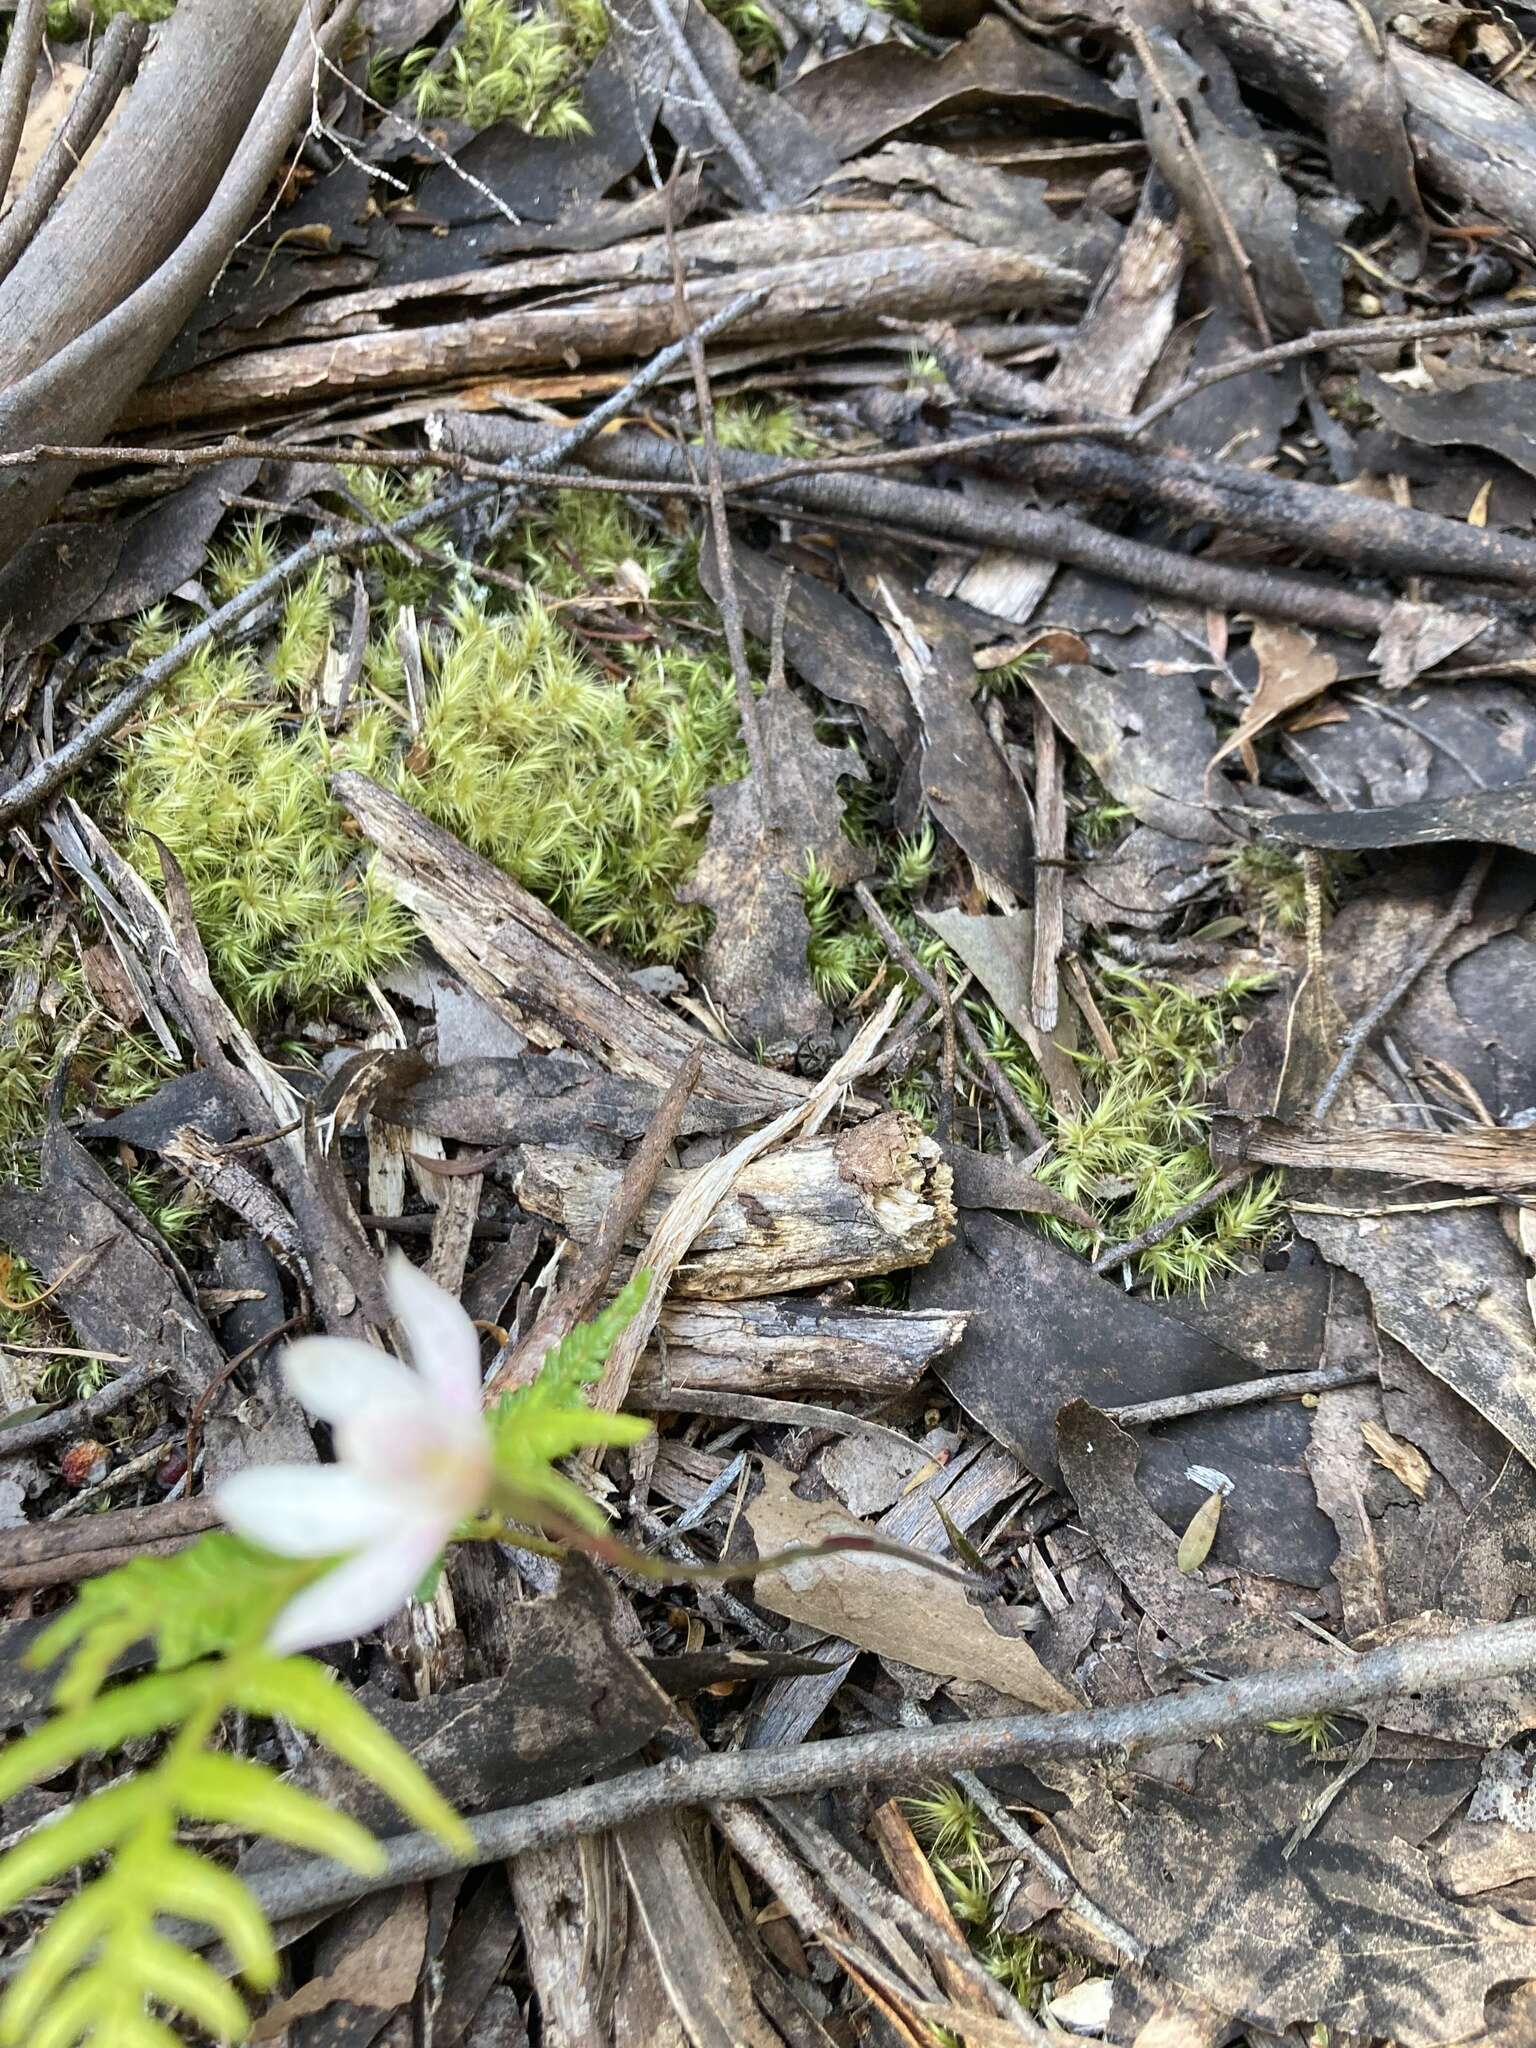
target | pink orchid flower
x=413, y=1461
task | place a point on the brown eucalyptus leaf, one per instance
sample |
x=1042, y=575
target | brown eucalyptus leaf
x=884, y=1604
x=1352, y=1934
x=1292, y=671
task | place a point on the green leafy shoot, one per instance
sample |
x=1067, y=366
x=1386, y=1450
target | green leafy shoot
x=550, y=1419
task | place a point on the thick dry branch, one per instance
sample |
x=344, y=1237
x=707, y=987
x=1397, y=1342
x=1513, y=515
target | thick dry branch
x=144, y=189
x=985, y=519
x=1474, y=142
x=22, y=50
x=45, y=1543
x=116, y=61
x=868, y=1200
x=794, y=1346
x=530, y=968
x=158, y=209
x=822, y=298
x=1369, y=531
x=911, y=1757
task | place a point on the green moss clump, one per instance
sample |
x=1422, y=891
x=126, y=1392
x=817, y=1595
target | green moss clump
x=588, y=784
x=763, y=429
x=752, y=29
x=591, y=791
x=507, y=65
x=68, y=20
x=235, y=782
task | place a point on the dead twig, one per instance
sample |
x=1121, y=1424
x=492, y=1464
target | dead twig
x=1359, y=1033
x=1275, y=1386
x=1109, y=427
x=1050, y=873
x=1007, y=1097
x=1141, y=44
x=77, y=1418
x=1117, y=1254
x=116, y=62
x=986, y=518
x=53, y=1553
x=582, y=1292
x=16, y=76
x=1322, y=1685
x=722, y=127
x=759, y=766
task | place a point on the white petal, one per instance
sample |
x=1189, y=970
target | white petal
x=445, y=1345
x=359, y=1594
x=306, y=1510
x=337, y=1376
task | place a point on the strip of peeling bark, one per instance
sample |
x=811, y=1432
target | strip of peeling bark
x=1475, y=1156
x=822, y=298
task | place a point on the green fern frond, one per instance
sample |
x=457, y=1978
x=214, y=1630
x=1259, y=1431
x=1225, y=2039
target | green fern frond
x=548, y=1420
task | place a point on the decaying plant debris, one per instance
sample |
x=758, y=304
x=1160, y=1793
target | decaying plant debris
x=876, y=661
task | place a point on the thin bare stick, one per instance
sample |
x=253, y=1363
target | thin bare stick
x=721, y=126
x=1274, y=1386
x=1359, y=1033
x=116, y=62
x=16, y=76
x=759, y=766
x=74, y=1420
x=1325, y=1684
x=1073, y=1897
x=1117, y=1254
x=582, y=1292
x=50, y=775
x=1050, y=873
x=1006, y=1095
x=1106, y=427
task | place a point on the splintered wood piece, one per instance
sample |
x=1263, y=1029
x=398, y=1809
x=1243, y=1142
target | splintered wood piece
x=867, y=1200
x=532, y=970
x=794, y=1346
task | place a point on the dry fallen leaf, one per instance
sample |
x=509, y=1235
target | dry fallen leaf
x=1401, y=1460
x=381, y=1973
x=1195, y=1544
x=1291, y=673
x=884, y=1604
